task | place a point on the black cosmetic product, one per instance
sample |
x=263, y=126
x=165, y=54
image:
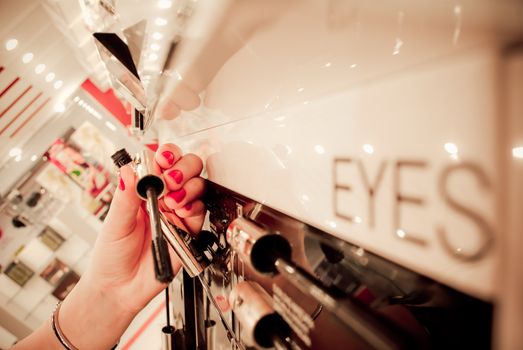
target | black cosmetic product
x=121, y=158
x=150, y=187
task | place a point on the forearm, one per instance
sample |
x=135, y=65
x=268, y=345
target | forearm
x=91, y=318
x=88, y=318
x=42, y=338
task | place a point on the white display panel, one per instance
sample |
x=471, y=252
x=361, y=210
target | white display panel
x=381, y=125
x=433, y=201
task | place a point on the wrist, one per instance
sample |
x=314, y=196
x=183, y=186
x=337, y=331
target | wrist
x=90, y=318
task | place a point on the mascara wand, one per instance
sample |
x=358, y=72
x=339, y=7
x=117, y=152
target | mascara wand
x=150, y=187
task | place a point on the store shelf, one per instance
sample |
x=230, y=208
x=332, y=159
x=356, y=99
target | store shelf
x=8, y=289
x=33, y=303
x=35, y=290
x=42, y=311
x=36, y=255
x=82, y=264
x=72, y=250
x=7, y=339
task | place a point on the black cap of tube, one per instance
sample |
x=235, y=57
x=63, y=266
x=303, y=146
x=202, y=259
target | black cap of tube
x=121, y=158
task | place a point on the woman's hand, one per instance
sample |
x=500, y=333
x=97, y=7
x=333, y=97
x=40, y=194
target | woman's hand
x=122, y=262
x=120, y=279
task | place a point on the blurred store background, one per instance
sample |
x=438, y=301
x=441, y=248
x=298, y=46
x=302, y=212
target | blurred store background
x=59, y=123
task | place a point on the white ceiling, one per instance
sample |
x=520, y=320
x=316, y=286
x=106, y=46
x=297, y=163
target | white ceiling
x=59, y=34
x=23, y=114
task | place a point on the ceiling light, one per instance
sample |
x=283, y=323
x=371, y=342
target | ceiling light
x=110, y=126
x=319, y=149
x=165, y=4
x=14, y=152
x=49, y=77
x=59, y=107
x=11, y=44
x=160, y=21
x=155, y=47
x=58, y=84
x=451, y=148
x=27, y=57
x=517, y=152
x=34, y=158
x=368, y=148
x=40, y=68
x=157, y=35
x=153, y=57
x=401, y=233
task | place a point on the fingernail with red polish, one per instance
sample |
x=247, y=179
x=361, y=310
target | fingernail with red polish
x=169, y=157
x=187, y=206
x=177, y=176
x=178, y=196
x=121, y=185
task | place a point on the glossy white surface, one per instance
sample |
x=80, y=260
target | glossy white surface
x=414, y=83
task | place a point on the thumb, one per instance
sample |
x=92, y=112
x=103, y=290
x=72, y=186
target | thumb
x=121, y=219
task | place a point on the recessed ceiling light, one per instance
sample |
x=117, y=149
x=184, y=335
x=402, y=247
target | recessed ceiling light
x=40, y=68
x=451, y=148
x=27, y=57
x=155, y=47
x=153, y=57
x=58, y=84
x=160, y=21
x=368, y=148
x=165, y=4
x=11, y=44
x=59, y=107
x=49, y=77
x=157, y=35
x=110, y=125
x=15, y=151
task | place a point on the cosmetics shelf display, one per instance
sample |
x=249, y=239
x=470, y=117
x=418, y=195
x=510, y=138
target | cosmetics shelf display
x=43, y=250
x=38, y=277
